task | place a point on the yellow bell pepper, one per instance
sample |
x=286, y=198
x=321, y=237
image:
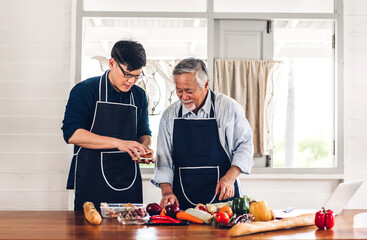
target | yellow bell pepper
x=261, y=211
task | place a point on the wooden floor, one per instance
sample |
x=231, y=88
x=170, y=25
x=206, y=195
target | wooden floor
x=72, y=225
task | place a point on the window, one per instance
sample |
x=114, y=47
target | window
x=303, y=120
x=307, y=124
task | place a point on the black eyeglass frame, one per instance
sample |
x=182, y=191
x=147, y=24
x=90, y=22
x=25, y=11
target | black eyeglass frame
x=128, y=75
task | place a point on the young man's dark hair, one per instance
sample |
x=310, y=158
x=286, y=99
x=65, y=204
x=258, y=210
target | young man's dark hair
x=129, y=53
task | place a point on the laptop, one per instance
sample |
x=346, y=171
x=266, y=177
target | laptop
x=337, y=201
x=341, y=196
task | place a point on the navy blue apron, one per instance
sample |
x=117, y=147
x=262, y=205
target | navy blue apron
x=199, y=160
x=108, y=175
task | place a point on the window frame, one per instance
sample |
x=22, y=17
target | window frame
x=211, y=17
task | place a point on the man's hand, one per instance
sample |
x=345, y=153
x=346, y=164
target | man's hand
x=153, y=158
x=168, y=197
x=225, y=187
x=146, y=140
x=131, y=147
x=146, y=161
x=87, y=139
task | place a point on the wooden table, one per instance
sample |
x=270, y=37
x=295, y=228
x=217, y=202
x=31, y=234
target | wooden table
x=72, y=225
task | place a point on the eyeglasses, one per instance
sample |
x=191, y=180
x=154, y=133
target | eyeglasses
x=128, y=75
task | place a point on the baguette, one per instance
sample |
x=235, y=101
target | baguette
x=91, y=214
x=256, y=227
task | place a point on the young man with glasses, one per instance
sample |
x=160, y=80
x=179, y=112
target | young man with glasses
x=106, y=119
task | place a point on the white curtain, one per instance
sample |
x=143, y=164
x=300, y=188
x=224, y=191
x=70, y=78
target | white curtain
x=253, y=84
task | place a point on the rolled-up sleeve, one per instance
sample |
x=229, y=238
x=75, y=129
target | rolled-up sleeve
x=243, y=153
x=238, y=135
x=164, y=169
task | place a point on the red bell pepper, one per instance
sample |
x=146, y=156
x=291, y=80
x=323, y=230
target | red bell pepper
x=324, y=219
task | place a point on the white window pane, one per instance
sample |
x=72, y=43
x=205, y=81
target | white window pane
x=304, y=121
x=290, y=6
x=146, y=5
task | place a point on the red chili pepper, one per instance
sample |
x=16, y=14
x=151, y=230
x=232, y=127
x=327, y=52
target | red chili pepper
x=161, y=221
x=324, y=219
x=165, y=218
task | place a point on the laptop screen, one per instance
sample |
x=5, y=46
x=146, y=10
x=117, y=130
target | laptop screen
x=341, y=196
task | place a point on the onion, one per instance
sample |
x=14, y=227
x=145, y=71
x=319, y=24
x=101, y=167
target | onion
x=153, y=209
x=172, y=210
x=244, y=218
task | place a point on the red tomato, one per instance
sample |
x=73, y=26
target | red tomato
x=227, y=210
x=222, y=217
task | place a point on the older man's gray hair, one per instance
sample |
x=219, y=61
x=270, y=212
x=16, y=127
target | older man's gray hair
x=193, y=65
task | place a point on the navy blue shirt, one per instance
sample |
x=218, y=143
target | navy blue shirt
x=81, y=105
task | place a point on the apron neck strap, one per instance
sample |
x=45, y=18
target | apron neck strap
x=132, y=102
x=180, y=112
x=103, y=87
x=213, y=104
x=211, y=108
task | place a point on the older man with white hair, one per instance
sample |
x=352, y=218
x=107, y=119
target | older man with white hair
x=204, y=142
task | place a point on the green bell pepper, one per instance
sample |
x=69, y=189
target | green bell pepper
x=241, y=205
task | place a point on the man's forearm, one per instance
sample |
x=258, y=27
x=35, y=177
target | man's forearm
x=87, y=139
x=146, y=140
x=166, y=188
x=168, y=197
x=232, y=173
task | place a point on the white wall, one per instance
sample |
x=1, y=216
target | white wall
x=34, y=84
x=35, y=70
x=355, y=90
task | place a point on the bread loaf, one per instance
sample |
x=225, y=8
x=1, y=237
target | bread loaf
x=256, y=227
x=91, y=213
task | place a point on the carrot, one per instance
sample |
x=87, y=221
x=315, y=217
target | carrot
x=189, y=217
x=163, y=212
